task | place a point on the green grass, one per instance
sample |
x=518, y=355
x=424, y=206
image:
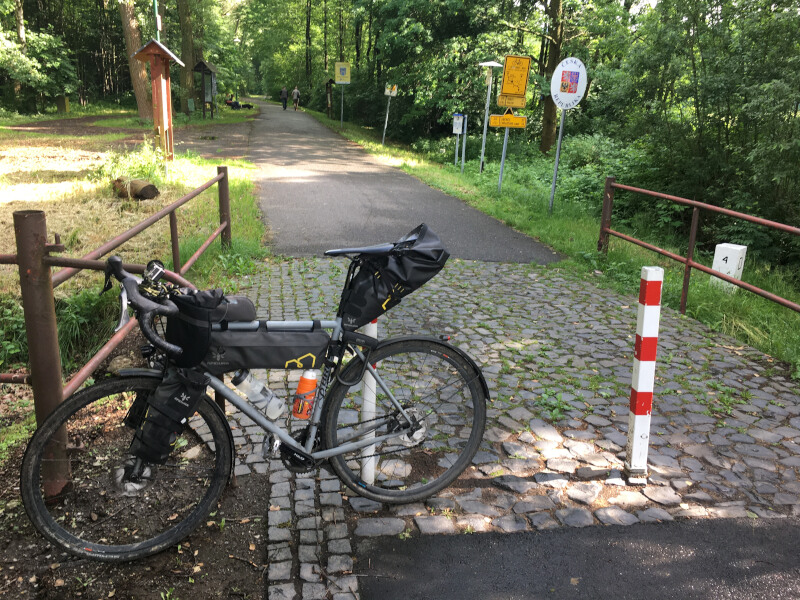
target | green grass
x=15, y=433
x=573, y=230
x=222, y=116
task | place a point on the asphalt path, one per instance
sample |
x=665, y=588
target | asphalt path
x=713, y=559
x=319, y=191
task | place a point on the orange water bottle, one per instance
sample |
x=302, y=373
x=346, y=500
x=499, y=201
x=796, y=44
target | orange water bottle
x=304, y=398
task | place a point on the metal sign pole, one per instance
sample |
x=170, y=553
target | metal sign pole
x=486, y=117
x=558, y=154
x=455, y=159
x=386, y=123
x=341, y=118
x=503, y=161
x=464, y=143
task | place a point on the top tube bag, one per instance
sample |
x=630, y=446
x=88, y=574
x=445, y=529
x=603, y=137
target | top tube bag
x=382, y=281
x=191, y=328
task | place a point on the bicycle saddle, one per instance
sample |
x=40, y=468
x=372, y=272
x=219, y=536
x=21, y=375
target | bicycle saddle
x=376, y=250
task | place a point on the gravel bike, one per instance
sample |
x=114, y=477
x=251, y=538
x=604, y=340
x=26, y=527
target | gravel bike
x=91, y=483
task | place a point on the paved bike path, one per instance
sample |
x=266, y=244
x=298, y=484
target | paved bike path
x=319, y=191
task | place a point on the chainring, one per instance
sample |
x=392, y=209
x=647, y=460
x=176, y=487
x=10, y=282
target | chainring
x=294, y=462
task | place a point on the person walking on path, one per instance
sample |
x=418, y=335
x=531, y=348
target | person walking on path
x=295, y=97
x=284, y=96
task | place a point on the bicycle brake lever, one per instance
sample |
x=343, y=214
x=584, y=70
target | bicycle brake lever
x=108, y=284
x=124, y=316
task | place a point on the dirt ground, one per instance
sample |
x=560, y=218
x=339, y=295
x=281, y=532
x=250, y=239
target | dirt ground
x=218, y=561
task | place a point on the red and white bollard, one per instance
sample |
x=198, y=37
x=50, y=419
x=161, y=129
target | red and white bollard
x=368, y=413
x=644, y=373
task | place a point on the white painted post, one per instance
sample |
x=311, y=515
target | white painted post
x=644, y=372
x=729, y=260
x=367, y=413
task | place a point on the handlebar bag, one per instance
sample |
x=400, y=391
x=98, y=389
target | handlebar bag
x=264, y=349
x=382, y=281
x=165, y=413
x=191, y=328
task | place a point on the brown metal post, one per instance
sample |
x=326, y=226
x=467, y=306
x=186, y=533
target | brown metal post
x=173, y=235
x=225, y=206
x=605, y=219
x=36, y=285
x=687, y=273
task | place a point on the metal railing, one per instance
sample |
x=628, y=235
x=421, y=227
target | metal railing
x=37, y=283
x=688, y=260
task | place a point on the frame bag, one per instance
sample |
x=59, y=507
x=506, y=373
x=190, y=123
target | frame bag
x=382, y=281
x=264, y=349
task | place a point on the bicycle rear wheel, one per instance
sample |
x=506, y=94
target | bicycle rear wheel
x=75, y=486
x=435, y=385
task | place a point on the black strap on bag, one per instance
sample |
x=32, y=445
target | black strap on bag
x=160, y=419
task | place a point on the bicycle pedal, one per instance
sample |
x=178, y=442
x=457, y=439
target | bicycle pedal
x=271, y=447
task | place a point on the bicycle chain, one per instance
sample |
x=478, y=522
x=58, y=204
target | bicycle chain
x=386, y=451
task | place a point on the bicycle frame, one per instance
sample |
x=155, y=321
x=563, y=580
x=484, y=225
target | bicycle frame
x=262, y=421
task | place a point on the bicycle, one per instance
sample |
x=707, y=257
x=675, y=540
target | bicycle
x=88, y=486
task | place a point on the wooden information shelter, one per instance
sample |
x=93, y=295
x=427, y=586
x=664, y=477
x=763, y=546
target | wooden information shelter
x=159, y=57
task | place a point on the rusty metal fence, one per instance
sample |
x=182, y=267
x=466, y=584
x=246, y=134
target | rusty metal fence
x=34, y=260
x=688, y=260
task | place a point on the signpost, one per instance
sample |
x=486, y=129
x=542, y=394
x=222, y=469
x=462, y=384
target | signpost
x=512, y=95
x=391, y=91
x=342, y=76
x=458, y=124
x=489, y=75
x=567, y=88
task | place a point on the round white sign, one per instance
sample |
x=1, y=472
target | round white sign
x=568, y=84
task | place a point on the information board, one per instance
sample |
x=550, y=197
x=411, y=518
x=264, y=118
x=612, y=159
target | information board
x=515, y=75
x=509, y=119
x=342, y=73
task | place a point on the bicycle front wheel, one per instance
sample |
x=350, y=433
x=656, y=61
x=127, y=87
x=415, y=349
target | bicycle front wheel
x=76, y=483
x=439, y=389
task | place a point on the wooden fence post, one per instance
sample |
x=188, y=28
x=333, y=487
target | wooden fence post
x=36, y=285
x=224, y=207
x=605, y=219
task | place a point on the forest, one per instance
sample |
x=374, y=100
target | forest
x=694, y=98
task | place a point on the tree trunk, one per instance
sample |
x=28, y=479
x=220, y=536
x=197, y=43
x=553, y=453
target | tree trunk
x=308, y=44
x=549, y=118
x=187, y=54
x=133, y=41
x=19, y=18
x=358, y=29
x=325, y=35
x=341, y=34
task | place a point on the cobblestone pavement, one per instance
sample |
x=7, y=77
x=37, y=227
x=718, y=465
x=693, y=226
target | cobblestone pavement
x=557, y=353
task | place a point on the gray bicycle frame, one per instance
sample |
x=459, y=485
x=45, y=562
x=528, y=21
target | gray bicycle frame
x=261, y=420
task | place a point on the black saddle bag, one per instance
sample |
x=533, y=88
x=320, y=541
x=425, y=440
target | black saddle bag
x=381, y=282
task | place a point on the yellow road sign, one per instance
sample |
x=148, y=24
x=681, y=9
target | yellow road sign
x=511, y=101
x=342, y=73
x=515, y=75
x=509, y=119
